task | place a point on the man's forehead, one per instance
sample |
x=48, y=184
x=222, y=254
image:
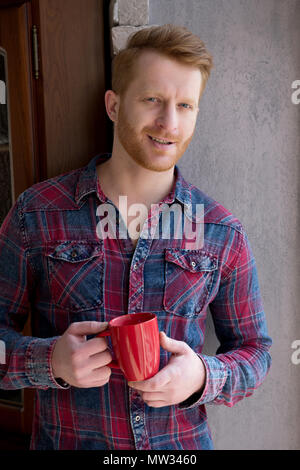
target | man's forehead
x=155, y=72
x=157, y=61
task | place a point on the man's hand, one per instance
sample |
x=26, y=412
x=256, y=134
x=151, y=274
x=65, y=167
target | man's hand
x=178, y=380
x=79, y=362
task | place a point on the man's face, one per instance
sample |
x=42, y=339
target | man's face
x=160, y=103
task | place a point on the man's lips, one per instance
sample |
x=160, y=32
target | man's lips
x=161, y=141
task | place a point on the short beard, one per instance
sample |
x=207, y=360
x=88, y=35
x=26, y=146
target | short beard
x=135, y=150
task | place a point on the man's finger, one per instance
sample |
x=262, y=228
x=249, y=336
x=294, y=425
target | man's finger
x=84, y=328
x=99, y=360
x=152, y=396
x=156, y=383
x=94, y=346
x=157, y=404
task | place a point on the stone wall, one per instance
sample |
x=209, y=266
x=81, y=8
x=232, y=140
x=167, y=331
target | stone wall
x=126, y=17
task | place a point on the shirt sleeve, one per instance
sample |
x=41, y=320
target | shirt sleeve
x=27, y=360
x=242, y=360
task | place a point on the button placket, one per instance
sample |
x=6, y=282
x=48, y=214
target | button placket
x=136, y=278
x=137, y=419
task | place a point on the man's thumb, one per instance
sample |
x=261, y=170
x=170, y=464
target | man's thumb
x=172, y=345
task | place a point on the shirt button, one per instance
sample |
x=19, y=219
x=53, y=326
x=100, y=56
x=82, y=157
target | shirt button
x=135, y=266
x=193, y=264
x=137, y=419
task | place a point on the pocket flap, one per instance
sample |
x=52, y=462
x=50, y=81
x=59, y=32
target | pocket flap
x=75, y=251
x=192, y=260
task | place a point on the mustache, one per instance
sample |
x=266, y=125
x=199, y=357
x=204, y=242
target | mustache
x=158, y=135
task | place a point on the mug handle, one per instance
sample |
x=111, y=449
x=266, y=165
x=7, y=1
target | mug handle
x=112, y=364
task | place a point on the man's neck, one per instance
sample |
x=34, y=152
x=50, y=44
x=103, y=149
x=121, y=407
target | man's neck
x=120, y=178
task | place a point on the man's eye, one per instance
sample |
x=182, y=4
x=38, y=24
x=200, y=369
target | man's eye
x=152, y=99
x=185, y=106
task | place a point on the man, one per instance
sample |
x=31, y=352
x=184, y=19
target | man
x=54, y=261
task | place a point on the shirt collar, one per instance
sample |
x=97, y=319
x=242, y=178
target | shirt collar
x=88, y=179
x=88, y=183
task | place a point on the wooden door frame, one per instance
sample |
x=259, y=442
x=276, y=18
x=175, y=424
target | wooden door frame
x=12, y=3
x=19, y=419
x=20, y=104
x=39, y=144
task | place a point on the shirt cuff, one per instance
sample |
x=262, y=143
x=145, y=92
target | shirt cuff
x=216, y=375
x=38, y=364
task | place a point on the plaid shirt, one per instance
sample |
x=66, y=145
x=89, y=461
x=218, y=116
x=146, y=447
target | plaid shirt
x=53, y=264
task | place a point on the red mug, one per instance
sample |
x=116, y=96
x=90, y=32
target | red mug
x=135, y=340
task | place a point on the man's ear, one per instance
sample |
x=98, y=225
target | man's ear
x=112, y=101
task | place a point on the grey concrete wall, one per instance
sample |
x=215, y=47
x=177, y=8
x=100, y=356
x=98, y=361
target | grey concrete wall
x=245, y=154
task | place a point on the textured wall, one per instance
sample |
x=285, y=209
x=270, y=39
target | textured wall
x=245, y=154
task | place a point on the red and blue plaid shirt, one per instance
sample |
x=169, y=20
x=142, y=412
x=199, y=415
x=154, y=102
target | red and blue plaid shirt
x=53, y=264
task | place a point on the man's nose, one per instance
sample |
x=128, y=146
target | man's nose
x=168, y=118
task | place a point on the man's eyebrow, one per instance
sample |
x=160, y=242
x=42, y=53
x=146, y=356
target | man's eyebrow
x=149, y=91
x=153, y=92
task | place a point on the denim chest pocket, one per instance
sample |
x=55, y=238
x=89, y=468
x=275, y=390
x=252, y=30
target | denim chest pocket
x=189, y=276
x=75, y=271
